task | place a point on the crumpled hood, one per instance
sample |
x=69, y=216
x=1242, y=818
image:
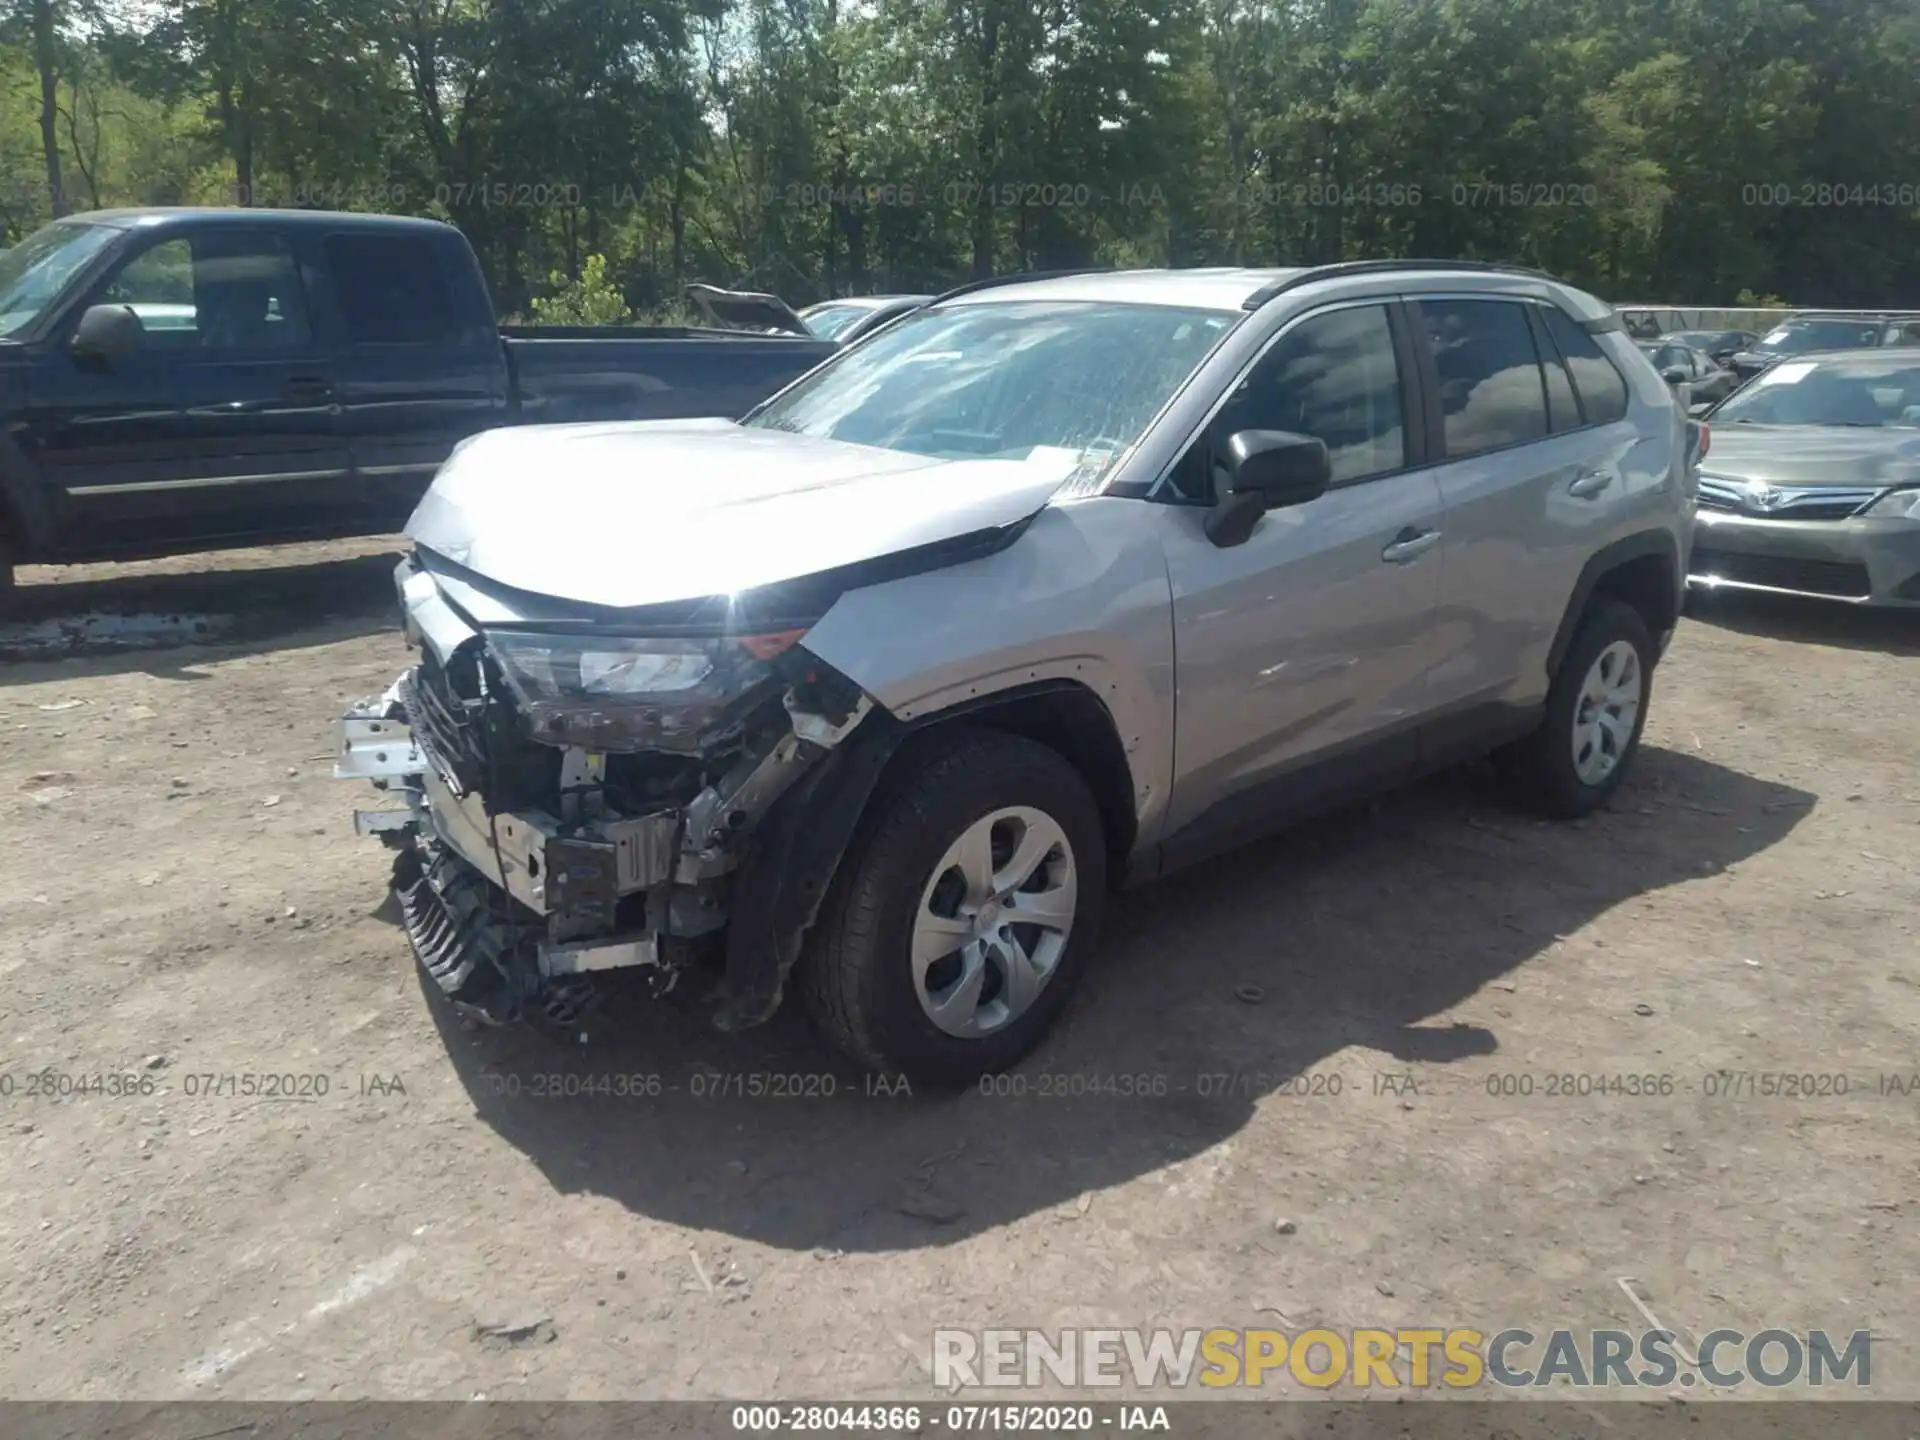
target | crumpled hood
x=1815, y=454
x=647, y=512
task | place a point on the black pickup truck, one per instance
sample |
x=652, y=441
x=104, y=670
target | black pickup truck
x=177, y=380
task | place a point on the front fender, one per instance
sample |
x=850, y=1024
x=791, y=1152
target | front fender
x=1081, y=596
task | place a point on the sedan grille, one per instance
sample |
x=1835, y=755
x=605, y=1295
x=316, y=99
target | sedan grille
x=1835, y=578
x=1784, y=502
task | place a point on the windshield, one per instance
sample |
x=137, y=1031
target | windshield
x=827, y=321
x=1807, y=393
x=35, y=271
x=1810, y=335
x=1002, y=380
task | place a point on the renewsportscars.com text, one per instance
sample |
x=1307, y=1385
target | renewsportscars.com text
x=1453, y=1358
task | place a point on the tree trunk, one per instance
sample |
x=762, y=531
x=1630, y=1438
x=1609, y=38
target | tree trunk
x=986, y=158
x=46, y=58
x=677, y=218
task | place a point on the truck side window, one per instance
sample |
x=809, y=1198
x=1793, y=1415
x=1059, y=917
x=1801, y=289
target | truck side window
x=390, y=290
x=1333, y=376
x=215, y=291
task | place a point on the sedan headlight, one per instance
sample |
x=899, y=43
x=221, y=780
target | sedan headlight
x=624, y=693
x=1896, y=504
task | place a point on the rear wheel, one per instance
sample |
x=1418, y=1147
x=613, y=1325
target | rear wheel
x=1595, y=712
x=962, y=919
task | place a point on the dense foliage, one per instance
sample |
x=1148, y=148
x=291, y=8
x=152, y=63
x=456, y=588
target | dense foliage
x=1654, y=150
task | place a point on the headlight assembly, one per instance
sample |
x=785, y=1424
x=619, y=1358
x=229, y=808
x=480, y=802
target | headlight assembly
x=1897, y=505
x=622, y=693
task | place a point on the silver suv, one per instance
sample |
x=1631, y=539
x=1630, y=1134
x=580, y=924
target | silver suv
x=1062, y=582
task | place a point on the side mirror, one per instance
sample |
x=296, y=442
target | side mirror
x=1699, y=408
x=1721, y=357
x=108, y=333
x=1675, y=376
x=1266, y=470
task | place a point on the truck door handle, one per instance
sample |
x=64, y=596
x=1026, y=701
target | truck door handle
x=1410, y=544
x=308, y=389
x=1590, y=484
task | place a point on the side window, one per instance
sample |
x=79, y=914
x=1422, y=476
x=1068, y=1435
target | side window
x=390, y=290
x=1491, y=394
x=1563, y=410
x=158, y=284
x=1603, y=393
x=215, y=291
x=1332, y=376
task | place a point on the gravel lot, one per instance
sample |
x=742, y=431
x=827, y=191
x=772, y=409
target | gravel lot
x=185, y=899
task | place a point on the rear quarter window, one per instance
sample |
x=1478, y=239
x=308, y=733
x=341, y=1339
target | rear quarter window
x=1599, y=383
x=391, y=290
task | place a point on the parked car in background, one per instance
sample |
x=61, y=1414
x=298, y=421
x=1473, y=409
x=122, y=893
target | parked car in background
x=1813, y=483
x=867, y=698
x=177, y=380
x=1719, y=345
x=1826, y=330
x=841, y=321
x=1706, y=382
x=847, y=319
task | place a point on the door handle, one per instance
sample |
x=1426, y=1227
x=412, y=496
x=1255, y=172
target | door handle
x=308, y=388
x=1590, y=484
x=1410, y=544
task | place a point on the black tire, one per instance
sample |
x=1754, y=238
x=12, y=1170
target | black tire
x=855, y=975
x=1540, y=769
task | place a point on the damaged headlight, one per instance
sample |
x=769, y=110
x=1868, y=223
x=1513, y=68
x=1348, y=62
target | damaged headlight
x=623, y=693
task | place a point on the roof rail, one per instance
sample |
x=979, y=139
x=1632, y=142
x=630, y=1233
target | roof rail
x=1341, y=269
x=997, y=280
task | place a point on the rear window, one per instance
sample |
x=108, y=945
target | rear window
x=390, y=289
x=1602, y=390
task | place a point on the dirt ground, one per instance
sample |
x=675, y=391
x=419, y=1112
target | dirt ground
x=184, y=901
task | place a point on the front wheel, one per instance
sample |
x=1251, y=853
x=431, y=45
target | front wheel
x=1596, y=709
x=963, y=917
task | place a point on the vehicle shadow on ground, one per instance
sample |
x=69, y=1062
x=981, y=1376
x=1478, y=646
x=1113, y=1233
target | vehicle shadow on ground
x=166, y=623
x=1809, y=622
x=1356, y=931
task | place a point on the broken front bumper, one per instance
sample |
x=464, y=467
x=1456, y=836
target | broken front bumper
x=508, y=909
x=458, y=862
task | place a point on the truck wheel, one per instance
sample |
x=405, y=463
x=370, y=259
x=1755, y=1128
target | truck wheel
x=1595, y=711
x=958, y=925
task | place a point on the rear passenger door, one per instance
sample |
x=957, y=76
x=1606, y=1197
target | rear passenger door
x=1529, y=416
x=416, y=376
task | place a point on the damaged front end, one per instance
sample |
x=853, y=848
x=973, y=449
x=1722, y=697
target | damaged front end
x=577, y=798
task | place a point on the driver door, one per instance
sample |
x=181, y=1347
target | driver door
x=1302, y=654
x=221, y=424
